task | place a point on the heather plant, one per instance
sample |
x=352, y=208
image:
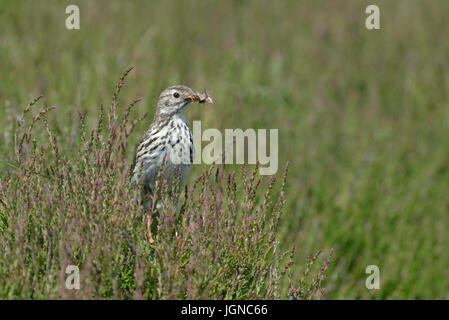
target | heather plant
x=60, y=208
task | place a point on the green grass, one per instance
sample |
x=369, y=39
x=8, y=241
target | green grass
x=362, y=115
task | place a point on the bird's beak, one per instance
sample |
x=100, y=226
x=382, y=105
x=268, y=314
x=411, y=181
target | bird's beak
x=193, y=97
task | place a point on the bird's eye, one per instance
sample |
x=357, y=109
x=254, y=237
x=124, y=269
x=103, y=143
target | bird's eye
x=176, y=95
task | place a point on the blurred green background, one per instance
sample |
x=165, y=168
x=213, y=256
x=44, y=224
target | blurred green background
x=363, y=115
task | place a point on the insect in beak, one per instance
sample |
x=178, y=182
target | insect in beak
x=205, y=98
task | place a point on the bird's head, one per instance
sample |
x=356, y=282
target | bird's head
x=175, y=99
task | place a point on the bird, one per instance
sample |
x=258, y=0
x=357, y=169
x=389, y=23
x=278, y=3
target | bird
x=168, y=143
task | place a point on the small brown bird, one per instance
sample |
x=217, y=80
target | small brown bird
x=168, y=140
